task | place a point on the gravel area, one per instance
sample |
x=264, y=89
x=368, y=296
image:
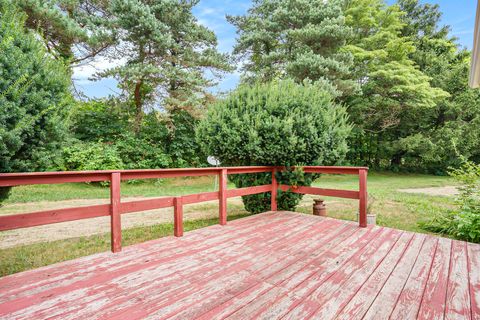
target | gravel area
x=447, y=191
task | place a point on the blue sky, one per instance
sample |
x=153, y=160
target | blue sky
x=459, y=14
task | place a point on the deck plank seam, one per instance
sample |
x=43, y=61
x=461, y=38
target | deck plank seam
x=311, y=223
x=408, y=277
x=313, y=232
x=115, y=258
x=469, y=282
x=282, y=289
x=412, y=236
x=295, y=304
x=428, y=278
x=448, y=281
x=153, y=263
x=347, y=260
x=316, y=257
x=274, y=285
x=368, y=277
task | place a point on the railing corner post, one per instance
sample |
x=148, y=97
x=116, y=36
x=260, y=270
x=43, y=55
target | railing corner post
x=115, y=219
x=273, y=196
x=178, y=217
x=363, y=198
x=222, y=193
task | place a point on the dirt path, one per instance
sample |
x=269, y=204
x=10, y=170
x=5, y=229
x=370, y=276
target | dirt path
x=93, y=226
x=434, y=191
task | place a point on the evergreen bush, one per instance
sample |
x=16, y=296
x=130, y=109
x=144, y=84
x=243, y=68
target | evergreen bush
x=280, y=124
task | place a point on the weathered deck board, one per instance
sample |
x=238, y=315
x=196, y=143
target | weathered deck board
x=270, y=266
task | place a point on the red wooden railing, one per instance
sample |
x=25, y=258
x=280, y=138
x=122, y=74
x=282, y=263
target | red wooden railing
x=116, y=207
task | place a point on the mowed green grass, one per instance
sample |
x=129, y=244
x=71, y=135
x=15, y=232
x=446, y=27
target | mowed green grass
x=393, y=208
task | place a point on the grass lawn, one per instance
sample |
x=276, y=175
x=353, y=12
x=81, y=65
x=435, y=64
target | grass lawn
x=394, y=209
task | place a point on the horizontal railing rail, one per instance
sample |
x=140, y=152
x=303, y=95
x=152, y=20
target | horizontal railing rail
x=116, y=208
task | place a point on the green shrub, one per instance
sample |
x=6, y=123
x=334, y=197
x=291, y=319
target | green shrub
x=4, y=194
x=34, y=97
x=280, y=123
x=180, y=143
x=92, y=156
x=96, y=120
x=141, y=154
x=463, y=223
x=467, y=222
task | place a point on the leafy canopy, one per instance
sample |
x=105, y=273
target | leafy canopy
x=396, y=96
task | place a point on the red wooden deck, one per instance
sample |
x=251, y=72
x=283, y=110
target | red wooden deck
x=279, y=265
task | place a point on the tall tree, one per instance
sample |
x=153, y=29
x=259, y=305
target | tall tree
x=163, y=53
x=395, y=94
x=453, y=134
x=298, y=39
x=73, y=30
x=34, y=95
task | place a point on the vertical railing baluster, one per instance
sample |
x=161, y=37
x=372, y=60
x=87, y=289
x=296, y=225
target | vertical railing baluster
x=273, y=197
x=115, y=220
x=178, y=217
x=363, y=198
x=222, y=193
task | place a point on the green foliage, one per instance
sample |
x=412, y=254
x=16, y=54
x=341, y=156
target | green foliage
x=127, y=152
x=162, y=141
x=141, y=154
x=96, y=120
x=92, y=156
x=72, y=30
x=297, y=39
x=280, y=123
x=180, y=142
x=4, y=194
x=34, y=97
x=464, y=223
x=397, y=99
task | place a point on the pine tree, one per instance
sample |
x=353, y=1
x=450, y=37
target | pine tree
x=164, y=53
x=298, y=39
x=73, y=30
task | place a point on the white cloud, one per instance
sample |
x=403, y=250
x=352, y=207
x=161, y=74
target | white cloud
x=86, y=71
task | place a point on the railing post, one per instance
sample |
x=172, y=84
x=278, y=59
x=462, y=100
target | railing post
x=273, y=196
x=178, y=217
x=362, y=178
x=222, y=193
x=115, y=222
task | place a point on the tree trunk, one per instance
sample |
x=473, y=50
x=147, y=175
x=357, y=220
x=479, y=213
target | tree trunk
x=138, y=107
x=396, y=160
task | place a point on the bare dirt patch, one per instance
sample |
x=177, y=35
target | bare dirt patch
x=447, y=191
x=87, y=227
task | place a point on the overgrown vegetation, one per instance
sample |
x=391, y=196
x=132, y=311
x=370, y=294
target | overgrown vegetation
x=463, y=222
